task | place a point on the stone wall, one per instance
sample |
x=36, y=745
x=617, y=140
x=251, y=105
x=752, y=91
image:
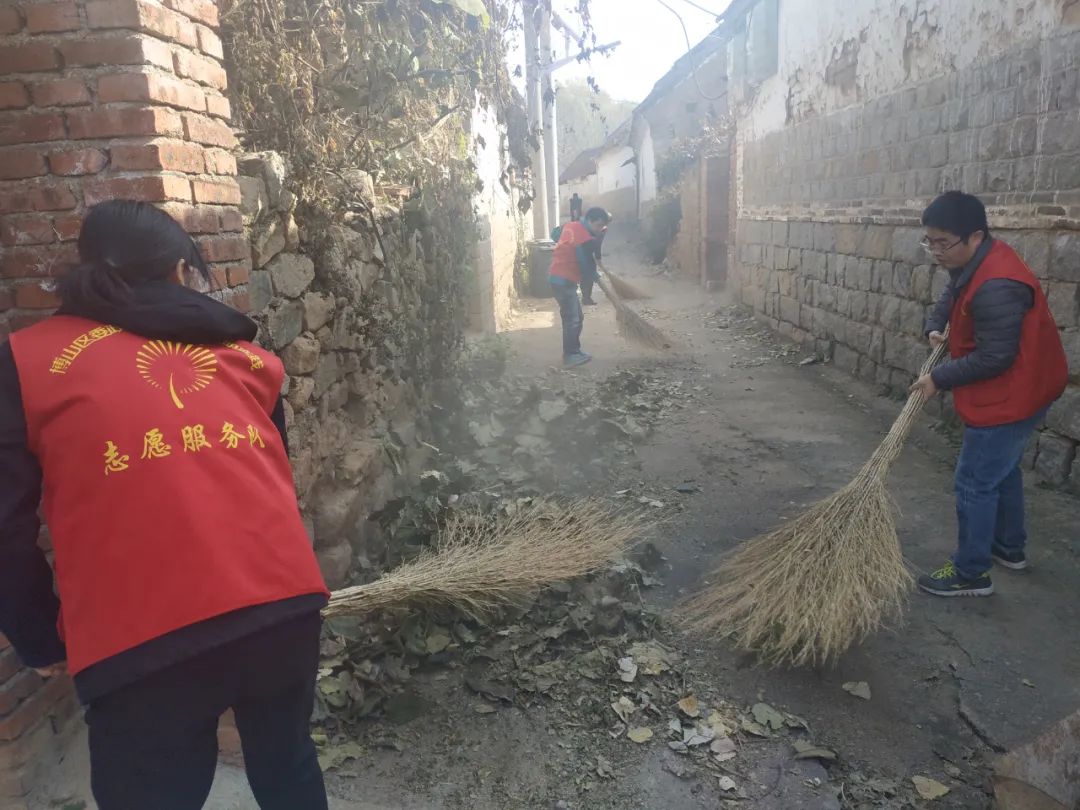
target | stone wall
x=101, y=99
x=828, y=227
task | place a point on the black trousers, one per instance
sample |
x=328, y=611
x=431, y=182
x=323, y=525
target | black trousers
x=153, y=744
x=586, y=289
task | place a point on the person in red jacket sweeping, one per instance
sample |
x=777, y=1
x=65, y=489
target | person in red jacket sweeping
x=574, y=263
x=1008, y=366
x=151, y=430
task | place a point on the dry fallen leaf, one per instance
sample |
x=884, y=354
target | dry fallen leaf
x=624, y=707
x=627, y=670
x=929, y=789
x=727, y=784
x=689, y=706
x=640, y=735
x=860, y=689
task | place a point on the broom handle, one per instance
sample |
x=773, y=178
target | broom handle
x=890, y=448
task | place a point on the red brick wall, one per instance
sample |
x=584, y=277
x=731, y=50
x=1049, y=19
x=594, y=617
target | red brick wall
x=102, y=99
x=111, y=98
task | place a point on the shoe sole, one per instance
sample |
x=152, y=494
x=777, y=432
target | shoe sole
x=1012, y=566
x=577, y=365
x=949, y=594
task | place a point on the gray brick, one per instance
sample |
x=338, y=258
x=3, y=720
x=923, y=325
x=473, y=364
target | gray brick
x=1064, y=299
x=1071, y=340
x=1064, y=262
x=973, y=178
x=1033, y=247
x=1022, y=137
x=883, y=277
x=912, y=317
x=928, y=183
x=982, y=112
x=906, y=247
x=779, y=234
x=843, y=301
x=1031, y=454
x=847, y=238
x=876, y=346
x=889, y=315
x=920, y=283
x=1005, y=105
x=962, y=146
x=991, y=144
x=789, y=309
x=825, y=296
x=824, y=237
x=845, y=359
x=904, y=353
x=955, y=116
x=876, y=242
x=1060, y=133
x=901, y=282
x=864, y=278
x=858, y=306
x=1055, y=459
x=937, y=151
x=998, y=176
x=1064, y=416
x=1024, y=173
x=800, y=235
x=938, y=282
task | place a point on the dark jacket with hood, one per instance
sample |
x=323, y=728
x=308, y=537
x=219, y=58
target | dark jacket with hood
x=28, y=604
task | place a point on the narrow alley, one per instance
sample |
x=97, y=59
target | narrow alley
x=753, y=434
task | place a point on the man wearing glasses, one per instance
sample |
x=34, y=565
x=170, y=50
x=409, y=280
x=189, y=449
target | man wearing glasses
x=1007, y=367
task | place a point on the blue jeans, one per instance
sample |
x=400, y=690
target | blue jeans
x=573, y=318
x=990, y=494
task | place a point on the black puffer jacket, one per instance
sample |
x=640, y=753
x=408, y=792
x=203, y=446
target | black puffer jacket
x=998, y=310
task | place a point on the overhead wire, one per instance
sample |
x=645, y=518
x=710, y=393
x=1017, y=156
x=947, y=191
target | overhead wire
x=690, y=54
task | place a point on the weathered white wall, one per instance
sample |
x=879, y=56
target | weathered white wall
x=498, y=220
x=611, y=172
x=834, y=55
x=646, y=164
x=587, y=187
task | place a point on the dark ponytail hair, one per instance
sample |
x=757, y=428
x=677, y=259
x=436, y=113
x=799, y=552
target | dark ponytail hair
x=123, y=244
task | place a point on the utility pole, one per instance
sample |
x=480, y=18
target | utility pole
x=551, y=132
x=534, y=92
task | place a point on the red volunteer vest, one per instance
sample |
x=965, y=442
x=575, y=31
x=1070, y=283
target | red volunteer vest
x=564, y=262
x=167, y=490
x=1039, y=374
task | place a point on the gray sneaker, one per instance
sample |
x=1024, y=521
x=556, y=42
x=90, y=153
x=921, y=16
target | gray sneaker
x=576, y=359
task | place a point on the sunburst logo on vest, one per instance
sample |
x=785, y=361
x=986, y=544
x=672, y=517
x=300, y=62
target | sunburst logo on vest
x=179, y=368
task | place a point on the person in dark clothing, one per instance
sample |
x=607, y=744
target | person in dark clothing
x=1007, y=367
x=112, y=409
x=576, y=204
x=587, y=283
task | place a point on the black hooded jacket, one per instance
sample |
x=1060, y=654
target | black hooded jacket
x=28, y=604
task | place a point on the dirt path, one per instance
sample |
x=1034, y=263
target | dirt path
x=763, y=437
x=759, y=436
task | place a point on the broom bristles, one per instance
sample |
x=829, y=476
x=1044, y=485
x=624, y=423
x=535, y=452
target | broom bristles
x=479, y=564
x=808, y=591
x=632, y=326
x=625, y=290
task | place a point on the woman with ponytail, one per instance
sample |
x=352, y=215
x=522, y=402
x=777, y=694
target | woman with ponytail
x=151, y=431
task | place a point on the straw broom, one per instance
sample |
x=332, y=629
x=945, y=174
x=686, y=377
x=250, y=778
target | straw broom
x=631, y=325
x=624, y=289
x=806, y=592
x=479, y=564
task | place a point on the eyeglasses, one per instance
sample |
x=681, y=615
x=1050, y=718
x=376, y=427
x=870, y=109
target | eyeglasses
x=938, y=245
